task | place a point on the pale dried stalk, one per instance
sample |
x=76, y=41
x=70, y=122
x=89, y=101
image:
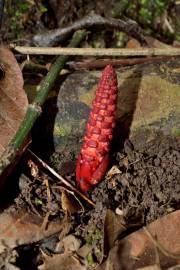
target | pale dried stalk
x=98, y=51
x=63, y=180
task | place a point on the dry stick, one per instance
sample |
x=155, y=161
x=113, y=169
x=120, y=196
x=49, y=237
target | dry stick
x=101, y=63
x=98, y=52
x=34, y=109
x=54, y=37
x=64, y=181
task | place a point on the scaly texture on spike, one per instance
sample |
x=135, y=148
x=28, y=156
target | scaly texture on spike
x=93, y=158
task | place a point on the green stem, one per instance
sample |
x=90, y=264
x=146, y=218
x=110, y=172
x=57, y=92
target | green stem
x=34, y=109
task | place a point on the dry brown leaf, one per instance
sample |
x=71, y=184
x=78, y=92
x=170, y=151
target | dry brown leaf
x=155, y=43
x=150, y=267
x=152, y=42
x=70, y=202
x=69, y=260
x=23, y=228
x=62, y=262
x=113, y=227
x=133, y=43
x=113, y=171
x=140, y=249
x=13, y=100
x=69, y=243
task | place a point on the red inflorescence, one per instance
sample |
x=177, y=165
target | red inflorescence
x=93, y=158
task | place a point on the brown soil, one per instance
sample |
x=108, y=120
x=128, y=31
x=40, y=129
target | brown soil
x=148, y=186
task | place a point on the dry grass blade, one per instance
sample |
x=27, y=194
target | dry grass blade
x=64, y=181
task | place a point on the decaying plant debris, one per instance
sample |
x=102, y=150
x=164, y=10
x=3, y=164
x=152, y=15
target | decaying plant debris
x=130, y=220
x=140, y=188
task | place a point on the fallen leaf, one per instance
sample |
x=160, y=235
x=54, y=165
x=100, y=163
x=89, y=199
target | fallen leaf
x=152, y=43
x=113, y=227
x=23, y=228
x=62, y=262
x=113, y=171
x=71, y=259
x=70, y=243
x=151, y=267
x=139, y=250
x=133, y=43
x=70, y=202
x=155, y=43
x=176, y=44
x=8, y=259
x=13, y=100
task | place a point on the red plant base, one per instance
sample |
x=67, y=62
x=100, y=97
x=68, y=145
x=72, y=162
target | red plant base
x=93, y=158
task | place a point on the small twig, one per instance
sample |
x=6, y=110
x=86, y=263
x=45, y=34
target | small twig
x=168, y=25
x=54, y=37
x=25, y=62
x=159, y=246
x=101, y=63
x=97, y=51
x=48, y=191
x=44, y=224
x=64, y=181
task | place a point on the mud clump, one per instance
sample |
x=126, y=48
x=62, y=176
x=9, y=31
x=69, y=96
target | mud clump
x=146, y=182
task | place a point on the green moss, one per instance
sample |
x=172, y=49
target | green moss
x=175, y=131
x=38, y=201
x=62, y=130
x=93, y=235
x=90, y=259
x=55, y=161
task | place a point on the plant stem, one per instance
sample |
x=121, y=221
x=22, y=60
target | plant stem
x=34, y=109
x=98, y=51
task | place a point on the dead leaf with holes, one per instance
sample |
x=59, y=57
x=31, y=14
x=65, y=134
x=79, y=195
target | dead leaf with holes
x=13, y=99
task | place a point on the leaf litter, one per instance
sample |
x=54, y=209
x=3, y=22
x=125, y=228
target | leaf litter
x=141, y=186
x=13, y=99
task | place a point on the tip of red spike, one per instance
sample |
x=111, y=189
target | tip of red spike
x=108, y=68
x=108, y=74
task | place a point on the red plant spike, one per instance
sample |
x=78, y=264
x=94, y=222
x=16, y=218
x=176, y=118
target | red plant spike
x=93, y=158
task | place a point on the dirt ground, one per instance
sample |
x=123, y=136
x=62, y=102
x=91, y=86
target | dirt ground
x=142, y=186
